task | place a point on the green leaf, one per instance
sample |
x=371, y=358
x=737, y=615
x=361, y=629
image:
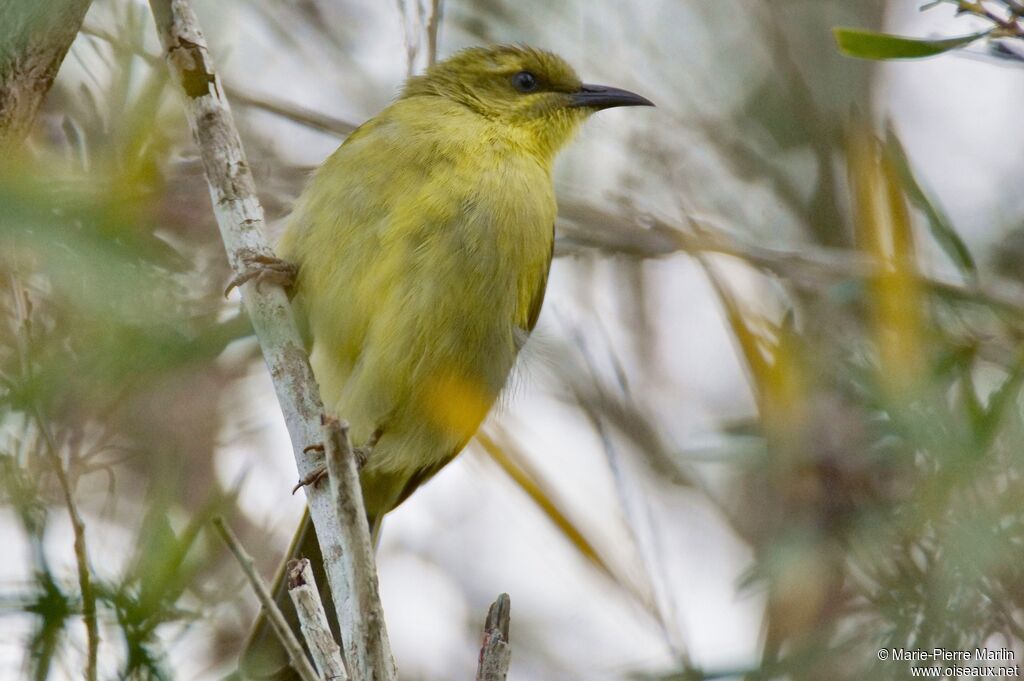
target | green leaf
x=939, y=224
x=870, y=45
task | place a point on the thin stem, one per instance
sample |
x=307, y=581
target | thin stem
x=291, y=644
x=979, y=9
x=409, y=20
x=81, y=552
x=433, y=27
x=637, y=514
x=22, y=307
x=582, y=226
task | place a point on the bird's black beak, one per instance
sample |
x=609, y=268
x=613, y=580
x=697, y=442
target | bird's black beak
x=604, y=97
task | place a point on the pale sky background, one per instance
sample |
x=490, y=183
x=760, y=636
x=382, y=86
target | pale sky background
x=469, y=535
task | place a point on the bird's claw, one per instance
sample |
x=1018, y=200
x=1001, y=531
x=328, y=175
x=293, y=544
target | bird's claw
x=315, y=475
x=311, y=478
x=362, y=455
x=264, y=269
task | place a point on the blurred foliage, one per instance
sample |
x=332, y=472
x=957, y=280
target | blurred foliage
x=884, y=504
x=109, y=375
x=886, y=499
x=879, y=484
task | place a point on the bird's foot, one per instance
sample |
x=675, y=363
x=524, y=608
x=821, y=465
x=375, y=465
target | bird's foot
x=311, y=478
x=362, y=455
x=315, y=475
x=265, y=269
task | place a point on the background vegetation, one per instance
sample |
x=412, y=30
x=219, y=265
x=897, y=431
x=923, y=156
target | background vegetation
x=771, y=422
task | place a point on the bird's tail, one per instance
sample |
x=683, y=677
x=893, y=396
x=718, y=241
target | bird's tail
x=264, y=658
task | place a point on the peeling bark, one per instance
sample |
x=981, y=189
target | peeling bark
x=495, y=653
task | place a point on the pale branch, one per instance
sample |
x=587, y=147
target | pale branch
x=433, y=28
x=292, y=112
x=366, y=644
x=313, y=621
x=582, y=227
x=495, y=652
x=277, y=620
x=34, y=37
x=408, y=12
x=240, y=219
x=421, y=23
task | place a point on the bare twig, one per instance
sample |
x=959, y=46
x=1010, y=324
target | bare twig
x=291, y=644
x=409, y=14
x=313, y=621
x=495, y=653
x=420, y=27
x=1007, y=25
x=433, y=27
x=22, y=307
x=637, y=513
x=366, y=644
x=81, y=552
x=34, y=37
x=292, y=112
x=346, y=548
x=583, y=226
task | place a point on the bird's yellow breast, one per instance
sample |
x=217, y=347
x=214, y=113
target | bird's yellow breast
x=423, y=247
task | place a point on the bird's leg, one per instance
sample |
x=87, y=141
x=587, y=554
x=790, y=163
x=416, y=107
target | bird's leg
x=362, y=454
x=264, y=269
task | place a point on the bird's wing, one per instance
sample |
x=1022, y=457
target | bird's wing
x=536, y=298
x=534, y=304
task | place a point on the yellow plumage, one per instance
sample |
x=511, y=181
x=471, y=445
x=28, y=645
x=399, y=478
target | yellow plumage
x=423, y=246
x=421, y=269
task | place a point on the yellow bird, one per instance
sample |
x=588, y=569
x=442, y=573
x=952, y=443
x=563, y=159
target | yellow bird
x=422, y=248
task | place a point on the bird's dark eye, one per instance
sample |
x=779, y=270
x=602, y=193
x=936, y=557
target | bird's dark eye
x=524, y=81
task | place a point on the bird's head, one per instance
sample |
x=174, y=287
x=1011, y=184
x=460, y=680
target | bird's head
x=534, y=92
